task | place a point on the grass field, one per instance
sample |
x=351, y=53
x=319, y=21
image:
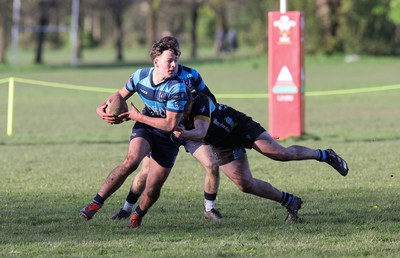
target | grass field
x=60, y=153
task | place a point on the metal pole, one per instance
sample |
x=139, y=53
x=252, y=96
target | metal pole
x=15, y=29
x=10, y=112
x=74, y=32
x=283, y=6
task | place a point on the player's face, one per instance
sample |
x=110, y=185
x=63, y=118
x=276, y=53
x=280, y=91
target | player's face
x=166, y=63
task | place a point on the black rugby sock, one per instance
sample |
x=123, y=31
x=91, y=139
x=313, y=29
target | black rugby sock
x=132, y=197
x=99, y=199
x=210, y=197
x=138, y=211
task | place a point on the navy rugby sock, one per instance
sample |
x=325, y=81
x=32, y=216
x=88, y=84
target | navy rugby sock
x=286, y=199
x=321, y=155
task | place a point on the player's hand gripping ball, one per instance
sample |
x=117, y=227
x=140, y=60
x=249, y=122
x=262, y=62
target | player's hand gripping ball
x=115, y=106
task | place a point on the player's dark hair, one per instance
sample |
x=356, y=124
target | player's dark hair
x=165, y=43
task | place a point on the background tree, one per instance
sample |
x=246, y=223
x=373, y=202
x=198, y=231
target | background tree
x=327, y=13
x=151, y=22
x=394, y=16
x=332, y=26
x=5, y=20
x=117, y=9
x=219, y=7
x=194, y=15
x=43, y=21
x=50, y=15
x=364, y=28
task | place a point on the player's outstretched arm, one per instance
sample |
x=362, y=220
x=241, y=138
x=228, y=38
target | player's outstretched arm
x=197, y=134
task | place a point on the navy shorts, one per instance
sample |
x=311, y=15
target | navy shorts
x=224, y=155
x=191, y=146
x=240, y=138
x=163, y=150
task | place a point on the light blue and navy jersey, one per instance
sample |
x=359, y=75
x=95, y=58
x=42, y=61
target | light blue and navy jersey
x=228, y=127
x=169, y=95
x=192, y=79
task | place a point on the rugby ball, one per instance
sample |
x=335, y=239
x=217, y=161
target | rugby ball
x=116, y=105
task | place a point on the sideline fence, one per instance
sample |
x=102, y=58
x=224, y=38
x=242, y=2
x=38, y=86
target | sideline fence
x=12, y=80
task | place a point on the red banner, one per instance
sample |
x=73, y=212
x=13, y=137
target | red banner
x=286, y=75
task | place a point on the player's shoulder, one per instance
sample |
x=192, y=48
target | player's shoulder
x=201, y=104
x=186, y=71
x=176, y=82
x=190, y=77
x=199, y=97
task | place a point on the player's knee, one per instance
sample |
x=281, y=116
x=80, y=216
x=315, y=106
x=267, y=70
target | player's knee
x=245, y=186
x=142, y=175
x=212, y=168
x=131, y=164
x=139, y=183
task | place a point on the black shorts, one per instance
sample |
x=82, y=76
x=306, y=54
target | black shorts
x=163, y=150
x=243, y=135
x=240, y=138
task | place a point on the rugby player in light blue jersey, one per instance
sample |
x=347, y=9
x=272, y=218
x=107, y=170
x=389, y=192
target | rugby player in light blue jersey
x=201, y=152
x=164, y=96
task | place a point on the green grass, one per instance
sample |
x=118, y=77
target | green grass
x=60, y=153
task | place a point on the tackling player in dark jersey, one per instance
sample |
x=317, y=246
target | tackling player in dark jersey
x=230, y=132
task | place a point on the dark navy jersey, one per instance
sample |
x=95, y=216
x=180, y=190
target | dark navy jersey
x=192, y=79
x=228, y=126
x=169, y=95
